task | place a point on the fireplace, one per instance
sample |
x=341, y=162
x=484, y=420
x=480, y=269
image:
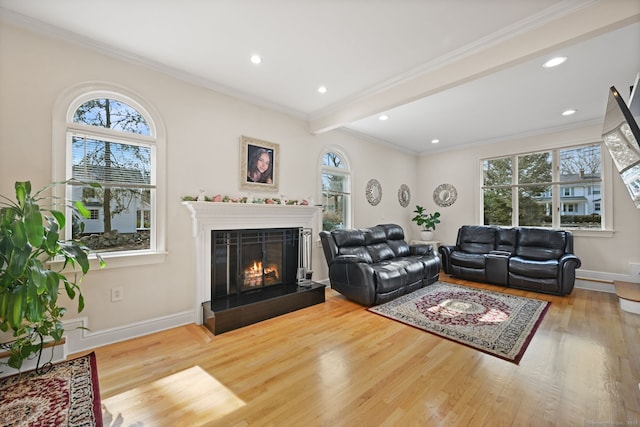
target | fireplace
x=248, y=304
x=251, y=260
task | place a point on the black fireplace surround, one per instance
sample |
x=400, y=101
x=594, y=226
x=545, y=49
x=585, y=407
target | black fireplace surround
x=254, y=276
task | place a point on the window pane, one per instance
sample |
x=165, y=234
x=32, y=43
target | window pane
x=333, y=160
x=534, y=202
x=534, y=168
x=581, y=163
x=497, y=206
x=110, y=162
x=120, y=218
x=335, y=183
x=581, y=208
x=334, y=212
x=497, y=172
x=111, y=114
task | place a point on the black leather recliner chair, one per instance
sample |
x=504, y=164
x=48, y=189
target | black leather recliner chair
x=375, y=265
x=528, y=258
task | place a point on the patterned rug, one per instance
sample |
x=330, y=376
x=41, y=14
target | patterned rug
x=67, y=395
x=495, y=323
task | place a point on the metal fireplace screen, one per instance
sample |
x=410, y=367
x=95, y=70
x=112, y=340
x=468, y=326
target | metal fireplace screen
x=246, y=260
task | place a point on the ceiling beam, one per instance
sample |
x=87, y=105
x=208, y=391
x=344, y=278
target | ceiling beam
x=596, y=19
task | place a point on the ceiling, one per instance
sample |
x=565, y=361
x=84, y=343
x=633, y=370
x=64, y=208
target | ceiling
x=465, y=72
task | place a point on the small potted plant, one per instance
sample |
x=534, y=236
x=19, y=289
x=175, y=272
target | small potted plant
x=426, y=221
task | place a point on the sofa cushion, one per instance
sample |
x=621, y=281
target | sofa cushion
x=540, y=244
x=476, y=239
x=348, y=238
x=506, y=239
x=463, y=259
x=542, y=269
x=380, y=252
x=389, y=276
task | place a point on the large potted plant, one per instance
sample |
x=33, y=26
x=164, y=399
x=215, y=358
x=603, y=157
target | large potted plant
x=29, y=284
x=426, y=221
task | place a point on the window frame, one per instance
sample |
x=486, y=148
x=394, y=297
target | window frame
x=606, y=187
x=346, y=171
x=64, y=128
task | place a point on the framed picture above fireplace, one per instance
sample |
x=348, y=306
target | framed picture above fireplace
x=259, y=164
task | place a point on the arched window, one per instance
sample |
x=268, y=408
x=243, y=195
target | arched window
x=112, y=140
x=336, y=191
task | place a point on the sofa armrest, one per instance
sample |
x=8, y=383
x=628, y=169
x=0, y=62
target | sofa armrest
x=353, y=279
x=567, y=265
x=445, y=255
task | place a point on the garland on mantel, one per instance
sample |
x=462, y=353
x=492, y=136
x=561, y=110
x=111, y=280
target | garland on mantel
x=218, y=198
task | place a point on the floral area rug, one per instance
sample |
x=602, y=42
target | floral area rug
x=67, y=395
x=495, y=323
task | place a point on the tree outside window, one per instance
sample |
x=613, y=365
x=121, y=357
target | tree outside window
x=519, y=189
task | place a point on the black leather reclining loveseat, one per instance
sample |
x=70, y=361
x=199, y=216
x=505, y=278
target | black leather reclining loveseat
x=375, y=265
x=536, y=259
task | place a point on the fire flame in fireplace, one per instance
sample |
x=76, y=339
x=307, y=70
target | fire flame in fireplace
x=253, y=275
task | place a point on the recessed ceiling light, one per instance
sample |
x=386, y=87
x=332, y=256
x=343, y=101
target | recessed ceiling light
x=256, y=59
x=568, y=112
x=383, y=117
x=322, y=89
x=435, y=141
x=554, y=62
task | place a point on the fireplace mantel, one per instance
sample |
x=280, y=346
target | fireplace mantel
x=208, y=216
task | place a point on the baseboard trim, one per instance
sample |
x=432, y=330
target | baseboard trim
x=81, y=338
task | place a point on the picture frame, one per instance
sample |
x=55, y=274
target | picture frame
x=259, y=164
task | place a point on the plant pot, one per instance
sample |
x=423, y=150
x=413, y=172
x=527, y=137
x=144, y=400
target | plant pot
x=426, y=235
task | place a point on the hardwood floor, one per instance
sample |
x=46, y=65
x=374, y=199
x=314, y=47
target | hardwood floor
x=336, y=364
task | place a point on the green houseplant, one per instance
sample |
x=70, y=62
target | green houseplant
x=29, y=285
x=426, y=221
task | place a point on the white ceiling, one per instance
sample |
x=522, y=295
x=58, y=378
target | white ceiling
x=463, y=71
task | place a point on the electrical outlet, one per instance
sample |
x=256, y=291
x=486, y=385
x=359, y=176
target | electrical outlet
x=117, y=294
x=634, y=271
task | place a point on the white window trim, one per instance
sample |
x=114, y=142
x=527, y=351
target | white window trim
x=63, y=109
x=606, y=192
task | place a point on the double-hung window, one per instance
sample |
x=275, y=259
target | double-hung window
x=336, y=191
x=112, y=142
x=558, y=188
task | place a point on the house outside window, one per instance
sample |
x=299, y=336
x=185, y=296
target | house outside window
x=111, y=143
x=336, y=191
x=558, y=188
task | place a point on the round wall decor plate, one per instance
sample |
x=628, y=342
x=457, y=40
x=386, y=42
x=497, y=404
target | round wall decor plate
x=445, y=195
x=404, y=195
x=373, y=192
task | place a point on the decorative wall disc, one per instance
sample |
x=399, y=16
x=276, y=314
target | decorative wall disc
x=373, y=192
x=404, y=195
x=445, y=195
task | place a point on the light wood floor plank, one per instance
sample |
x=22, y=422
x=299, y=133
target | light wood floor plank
x=336, y=364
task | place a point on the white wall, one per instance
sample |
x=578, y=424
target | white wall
x=203, y=150
x=603, y=255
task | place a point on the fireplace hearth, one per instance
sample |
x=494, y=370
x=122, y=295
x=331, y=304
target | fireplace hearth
x=254, y=276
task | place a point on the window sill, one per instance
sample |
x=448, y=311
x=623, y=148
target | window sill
x=118, y=260
x=591, y=233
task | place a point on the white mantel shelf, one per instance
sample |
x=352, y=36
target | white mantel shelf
x=230, y=216
x=209, y=216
